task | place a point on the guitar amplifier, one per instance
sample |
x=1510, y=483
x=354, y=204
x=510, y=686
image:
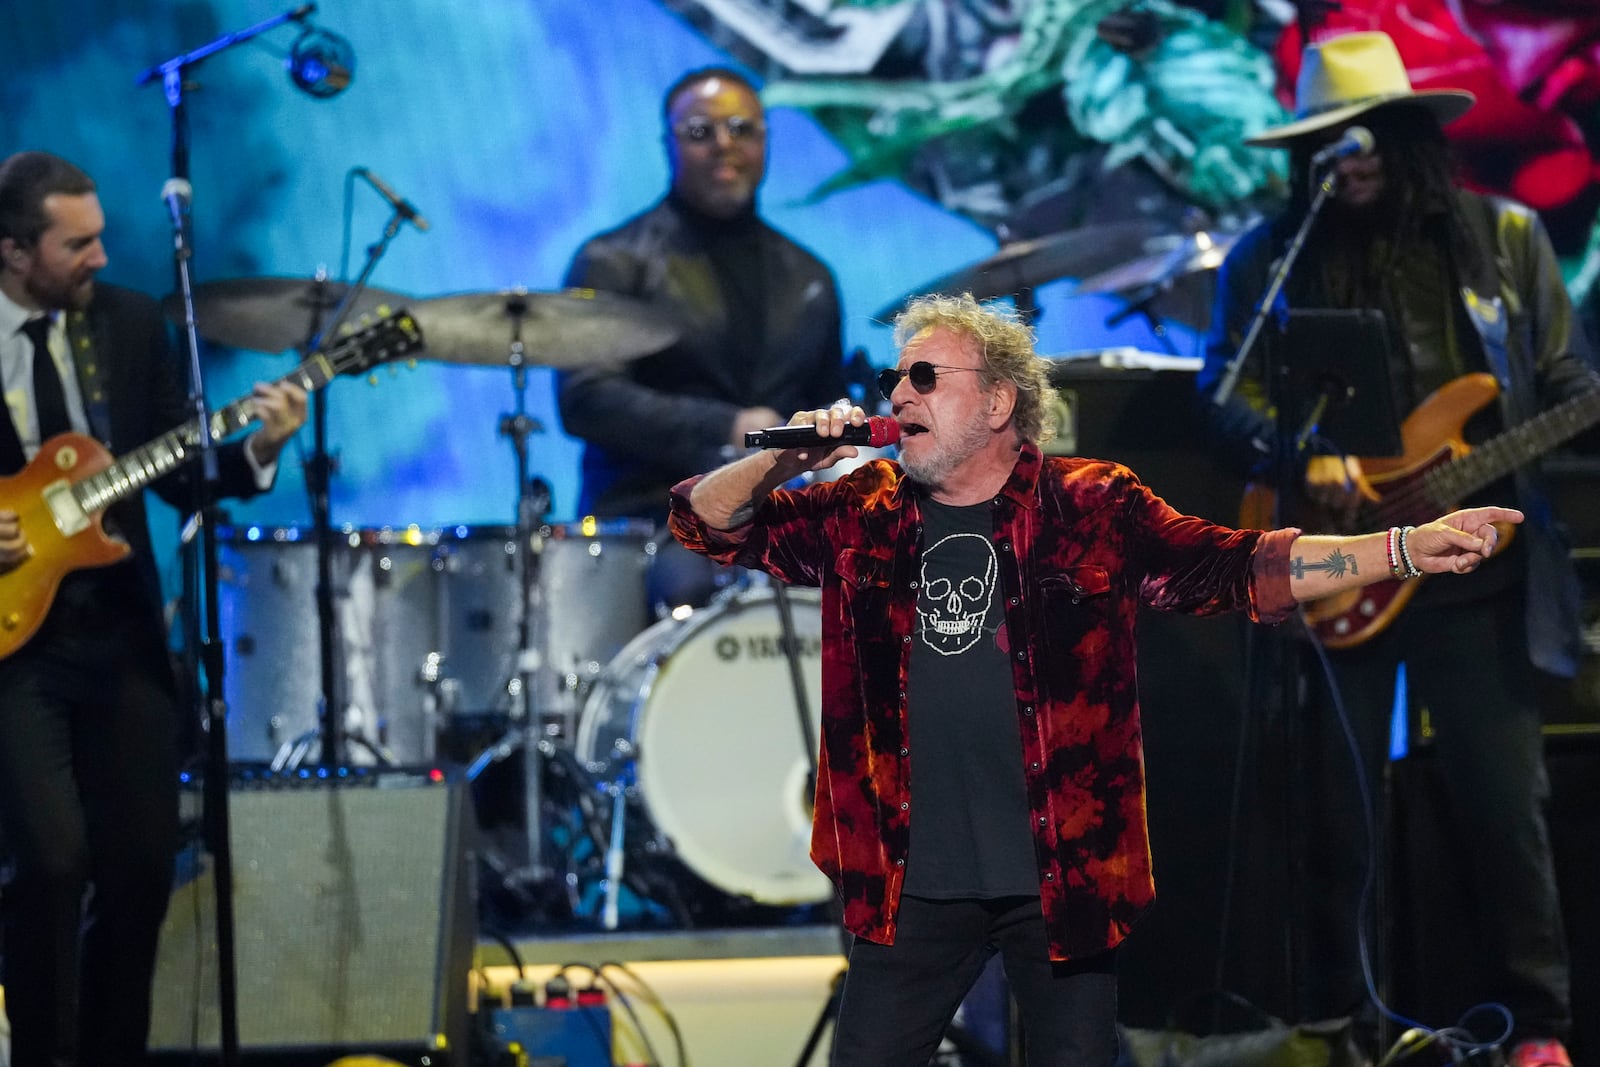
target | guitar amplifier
x=353, y=924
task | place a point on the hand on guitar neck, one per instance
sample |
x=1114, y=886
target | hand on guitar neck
x=280, y=408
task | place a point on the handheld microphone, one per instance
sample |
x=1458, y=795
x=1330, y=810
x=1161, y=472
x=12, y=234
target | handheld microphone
x=1357, y=141
x=406, y=209
x=176, y=194
x=876, y=432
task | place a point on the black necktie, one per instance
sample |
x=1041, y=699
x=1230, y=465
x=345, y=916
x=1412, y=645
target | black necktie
x=48, y=398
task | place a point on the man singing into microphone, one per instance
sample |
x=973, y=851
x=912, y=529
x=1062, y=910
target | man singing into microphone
x=89, y=710
x=980, y=779
x=1465, y=284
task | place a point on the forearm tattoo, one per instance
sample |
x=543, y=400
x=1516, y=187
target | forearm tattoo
x=1336, y=563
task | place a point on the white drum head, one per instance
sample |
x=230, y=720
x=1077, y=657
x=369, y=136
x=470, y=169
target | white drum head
x=721, y=763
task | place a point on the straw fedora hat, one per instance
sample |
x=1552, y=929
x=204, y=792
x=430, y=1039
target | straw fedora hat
x=1346, y=76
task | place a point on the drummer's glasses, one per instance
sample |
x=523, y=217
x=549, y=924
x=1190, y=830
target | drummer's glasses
x=924, y=376
x=739, y=129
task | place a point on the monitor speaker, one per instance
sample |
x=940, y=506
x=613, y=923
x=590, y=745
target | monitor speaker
x=353, y=926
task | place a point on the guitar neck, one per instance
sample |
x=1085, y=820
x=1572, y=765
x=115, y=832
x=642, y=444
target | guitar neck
x=149, y=462
x=1504, y=453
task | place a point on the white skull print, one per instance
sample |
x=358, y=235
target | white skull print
x=955, y=602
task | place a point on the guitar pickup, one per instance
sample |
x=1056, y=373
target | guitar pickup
x=69, y=516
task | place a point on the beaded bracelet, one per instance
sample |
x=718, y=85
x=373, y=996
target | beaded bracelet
x=1391, y=553
x=1411, y=570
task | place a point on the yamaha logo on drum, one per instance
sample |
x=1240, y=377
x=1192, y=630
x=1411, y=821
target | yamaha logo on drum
x=731, y=647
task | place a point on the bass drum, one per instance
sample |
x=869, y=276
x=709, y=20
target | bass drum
x=695, y=716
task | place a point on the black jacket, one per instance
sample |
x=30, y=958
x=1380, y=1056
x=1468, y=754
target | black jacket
x=657, y=420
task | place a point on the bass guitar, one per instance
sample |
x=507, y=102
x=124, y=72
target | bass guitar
x=61, y=496
x=1436, y=471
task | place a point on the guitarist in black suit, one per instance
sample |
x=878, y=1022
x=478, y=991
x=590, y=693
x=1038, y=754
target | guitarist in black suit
x=89, y=709
x=1466, y=284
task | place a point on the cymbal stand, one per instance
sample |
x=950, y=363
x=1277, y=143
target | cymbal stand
x=526, y=730
x=1139, y=303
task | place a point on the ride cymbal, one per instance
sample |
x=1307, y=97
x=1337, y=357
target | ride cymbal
x=1031, y=263
x=562, y=329
x=1166, y=260
x=270, y=314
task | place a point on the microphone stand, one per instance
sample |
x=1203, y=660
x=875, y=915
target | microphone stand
x=1280, y=659
x=205, y=637
x=1230, y=377
x=212, y=662
x=318, y=474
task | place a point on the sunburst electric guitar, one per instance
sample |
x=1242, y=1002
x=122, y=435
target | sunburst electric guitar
x=1436, y=472
x=61, y=495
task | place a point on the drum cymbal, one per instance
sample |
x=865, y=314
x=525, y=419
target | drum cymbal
x=562, y=329
x=1166, y=259
x=269, y=314
x=1027, y=264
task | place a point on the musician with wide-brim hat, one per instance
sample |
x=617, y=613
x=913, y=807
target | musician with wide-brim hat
x=1475, y=316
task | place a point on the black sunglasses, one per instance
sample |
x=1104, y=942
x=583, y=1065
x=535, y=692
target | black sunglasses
x=924, y=376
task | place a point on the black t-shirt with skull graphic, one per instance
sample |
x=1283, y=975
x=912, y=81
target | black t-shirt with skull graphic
x=969, y=809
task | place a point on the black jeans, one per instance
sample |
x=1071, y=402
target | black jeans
x=1468, y=665
x=898, y=999
x=88, y=798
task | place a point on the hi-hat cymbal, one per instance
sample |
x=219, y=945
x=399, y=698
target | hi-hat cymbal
x=1166, y=259
x=1031, y=263
x=270, y=314
x=563, y=329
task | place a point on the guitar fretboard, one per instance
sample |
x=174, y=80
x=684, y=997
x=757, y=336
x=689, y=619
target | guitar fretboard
x=395, y=335
x=1504, y=453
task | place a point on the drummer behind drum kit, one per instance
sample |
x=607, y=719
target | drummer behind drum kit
x=650, y=759
x=648, y=765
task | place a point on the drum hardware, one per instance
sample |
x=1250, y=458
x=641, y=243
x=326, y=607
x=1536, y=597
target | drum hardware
x=258, y=313
x=726, y=794
x=1170, y=281
x=624, y=748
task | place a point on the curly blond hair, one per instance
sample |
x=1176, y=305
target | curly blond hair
x=1007, y=345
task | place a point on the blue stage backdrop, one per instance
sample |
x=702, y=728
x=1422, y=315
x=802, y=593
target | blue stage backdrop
x=518, y=127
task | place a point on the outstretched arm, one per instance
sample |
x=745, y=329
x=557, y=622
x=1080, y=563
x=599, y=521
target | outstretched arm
x=1454, y=544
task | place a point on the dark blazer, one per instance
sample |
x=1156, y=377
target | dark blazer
x=657, y=420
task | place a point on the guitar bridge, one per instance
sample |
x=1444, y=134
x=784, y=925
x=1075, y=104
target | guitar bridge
x=69, y=516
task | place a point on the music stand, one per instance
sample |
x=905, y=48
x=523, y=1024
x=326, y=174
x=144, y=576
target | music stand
x=1335, y=372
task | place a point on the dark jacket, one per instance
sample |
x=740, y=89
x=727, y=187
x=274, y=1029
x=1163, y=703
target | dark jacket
x=662, y=418
x=1512, y=292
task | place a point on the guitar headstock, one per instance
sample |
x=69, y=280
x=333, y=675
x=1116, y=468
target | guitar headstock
x=371, y=341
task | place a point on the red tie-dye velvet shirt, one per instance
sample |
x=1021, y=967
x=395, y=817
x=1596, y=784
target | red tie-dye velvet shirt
x=1081, y=543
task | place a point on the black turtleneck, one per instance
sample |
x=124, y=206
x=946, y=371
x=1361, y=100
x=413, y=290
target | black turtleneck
x=737, y=256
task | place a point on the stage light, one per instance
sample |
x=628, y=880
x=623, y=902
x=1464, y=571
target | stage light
x=321, y=63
